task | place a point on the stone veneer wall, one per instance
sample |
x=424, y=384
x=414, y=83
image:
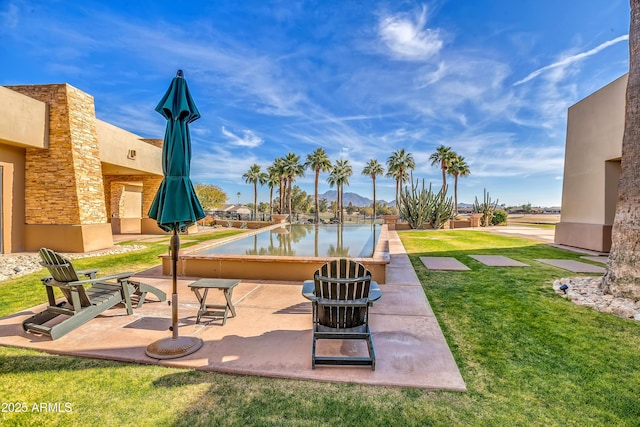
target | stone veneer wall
x=116, y=201
x=150, y=185
x=63, y=184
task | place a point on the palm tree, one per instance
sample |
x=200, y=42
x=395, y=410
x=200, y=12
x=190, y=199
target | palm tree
x=273, y=179
x=443, y=157
x=373, y=168
x=279, y=172
x=292, y=169
x=318, y=161
x=458, y=167
x=398, y=165
x=622, y=277
x=254, y=176
x=339, y=177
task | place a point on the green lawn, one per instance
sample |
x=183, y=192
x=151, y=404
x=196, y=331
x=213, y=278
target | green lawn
x=528, y=356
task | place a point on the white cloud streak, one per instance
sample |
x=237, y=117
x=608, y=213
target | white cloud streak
x=246, y=139
x=571, y=59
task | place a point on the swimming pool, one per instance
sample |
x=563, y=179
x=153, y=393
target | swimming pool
x=335, y=240
x=249, y=257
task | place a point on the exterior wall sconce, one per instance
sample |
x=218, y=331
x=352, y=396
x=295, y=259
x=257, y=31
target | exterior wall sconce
x=131, y=154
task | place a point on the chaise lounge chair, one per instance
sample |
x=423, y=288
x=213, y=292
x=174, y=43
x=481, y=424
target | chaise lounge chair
x=341, y=301
x=82, y=303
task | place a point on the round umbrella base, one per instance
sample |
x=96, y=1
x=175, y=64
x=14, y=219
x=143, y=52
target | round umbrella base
x=172, y=348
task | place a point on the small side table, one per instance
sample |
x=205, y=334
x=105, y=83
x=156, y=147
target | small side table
x=225, y=285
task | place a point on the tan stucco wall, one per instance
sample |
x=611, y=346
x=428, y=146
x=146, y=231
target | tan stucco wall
x=23, y=120
x=68, y=238
x=12, y=162
x=595, y=127
x=595, y=237
x=117, y=144
x=261, y=267
x=126, y=225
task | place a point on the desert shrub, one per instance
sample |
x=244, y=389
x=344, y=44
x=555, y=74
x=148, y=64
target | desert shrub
x=499, y=217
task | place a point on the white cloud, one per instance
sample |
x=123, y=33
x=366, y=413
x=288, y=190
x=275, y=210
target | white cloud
x=408, y=38
x=571, y=59
x=247, y=138
x=432, y=77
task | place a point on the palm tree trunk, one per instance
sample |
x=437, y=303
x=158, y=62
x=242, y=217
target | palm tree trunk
x=289, y=197
x=444, y=179
x=316, y=192
x=623, y=270
x=374, y=199
x=397, y=199
x=281, y=207
x=340, y=203
x=455, y=192
x=270, y=201
x=255, y=201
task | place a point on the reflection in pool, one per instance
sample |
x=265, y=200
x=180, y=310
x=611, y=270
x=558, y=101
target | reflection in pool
x=335, y=240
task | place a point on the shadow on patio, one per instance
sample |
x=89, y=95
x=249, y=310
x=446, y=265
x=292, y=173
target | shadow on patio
x=271, y=334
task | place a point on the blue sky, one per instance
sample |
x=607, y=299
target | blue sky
x=490, y=78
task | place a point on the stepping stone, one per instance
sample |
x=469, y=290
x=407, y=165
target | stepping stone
x=498, y=261
x=442, y=263
x=602, y=259
x=575, y=266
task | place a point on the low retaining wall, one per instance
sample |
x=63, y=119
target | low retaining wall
x=259, y=267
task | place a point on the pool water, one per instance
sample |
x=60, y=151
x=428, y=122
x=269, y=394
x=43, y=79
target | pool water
x=335, y=240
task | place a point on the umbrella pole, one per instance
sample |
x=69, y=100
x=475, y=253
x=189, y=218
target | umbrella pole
x=175, y=346
x=175, y=248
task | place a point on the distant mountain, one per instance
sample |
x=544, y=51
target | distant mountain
x=355, y=199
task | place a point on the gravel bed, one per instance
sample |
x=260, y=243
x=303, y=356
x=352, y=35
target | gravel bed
x=19, y=265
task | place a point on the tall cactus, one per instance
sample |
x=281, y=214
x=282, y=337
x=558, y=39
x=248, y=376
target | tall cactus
x=420, y=205
x=441, y=209
x=486, y=208
x=414, y=206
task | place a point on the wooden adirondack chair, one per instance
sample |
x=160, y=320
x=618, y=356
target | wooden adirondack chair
x=83, y=303
x=341, y=309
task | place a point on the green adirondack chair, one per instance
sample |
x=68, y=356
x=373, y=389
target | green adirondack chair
x=86, y=296
x=341, y=309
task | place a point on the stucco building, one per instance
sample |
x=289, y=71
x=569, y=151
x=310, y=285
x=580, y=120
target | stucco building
x=595, y=128
x=68, y=181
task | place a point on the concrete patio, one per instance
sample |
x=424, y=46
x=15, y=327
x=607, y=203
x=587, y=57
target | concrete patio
x=271, y=334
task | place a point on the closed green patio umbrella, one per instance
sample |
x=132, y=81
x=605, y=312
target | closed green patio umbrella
x=176, y=205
